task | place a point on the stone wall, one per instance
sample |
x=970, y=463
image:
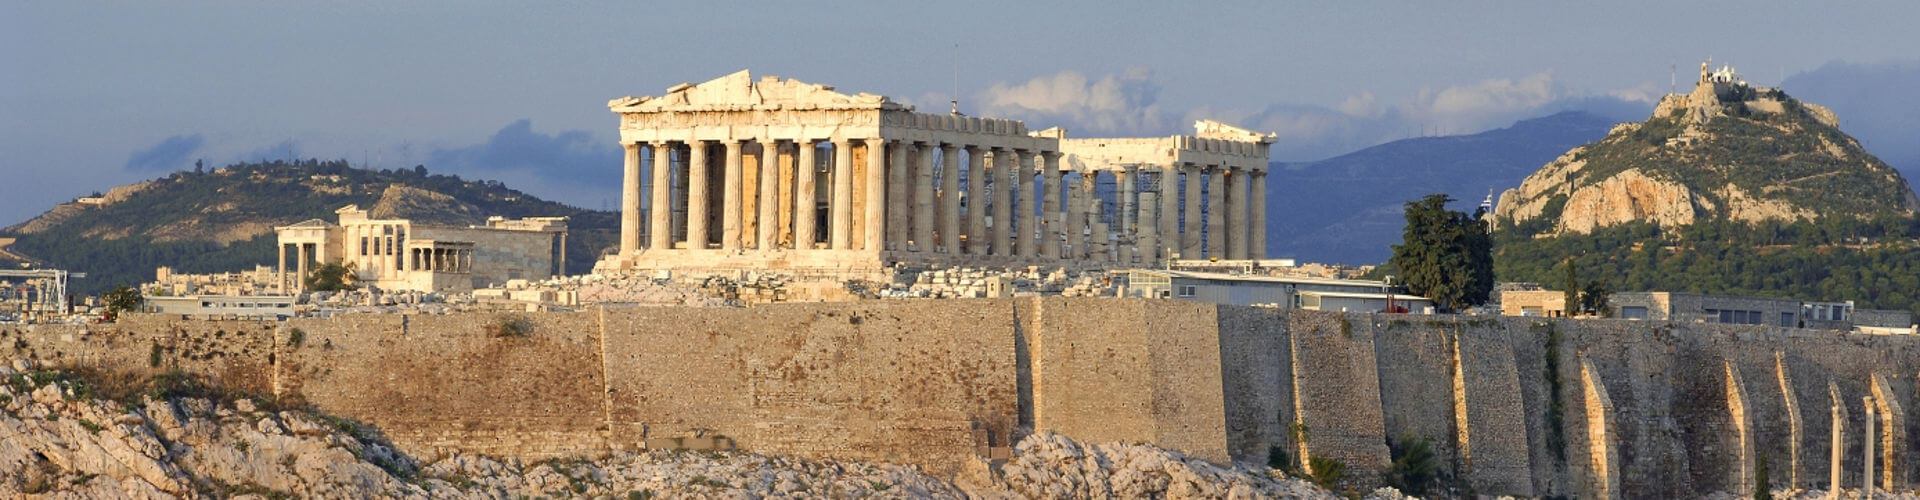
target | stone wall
x=1521, y=406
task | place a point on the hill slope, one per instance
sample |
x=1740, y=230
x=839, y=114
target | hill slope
x=1348, y=209
x=223, y=220
x=1730, y=189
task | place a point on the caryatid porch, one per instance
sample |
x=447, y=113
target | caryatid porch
x=779, y=174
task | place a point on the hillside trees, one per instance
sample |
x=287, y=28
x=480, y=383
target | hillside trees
x=1445, y=255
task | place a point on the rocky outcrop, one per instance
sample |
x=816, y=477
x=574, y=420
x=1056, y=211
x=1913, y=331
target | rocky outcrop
x=1626, y=197
x=60, y=439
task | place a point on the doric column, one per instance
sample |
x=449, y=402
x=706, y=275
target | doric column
x=300, y=269
x=1169, y=216
x=841, y=226
x=732, y=220
x=1258, y=243
x=1237, y=215
x=660, y=229
x=697, y=195
x=630, y=201
x=280, y=271
x=874, y=236
x=1075, y=223
x=1192, y=221
x=1090, y=208
x=900, y=184
x=1003, y=166
x=1051, y=221
x=805, y=196
x=769, y=216
x=1148, y=228
x=1129, y=177
x=1216, y=212
x=976, y=201
x=949, y=198
x=1023, y=206
x=923, y=199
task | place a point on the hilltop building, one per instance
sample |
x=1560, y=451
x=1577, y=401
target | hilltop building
x=1294, y=292
x=1701, y=308
x=738, y=173
x=399, y=254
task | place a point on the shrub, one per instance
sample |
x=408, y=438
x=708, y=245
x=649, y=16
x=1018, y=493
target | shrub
x=1277, y=459
x=1327, y=472
x=510, y=326
x=296, y=337
x=1414, y=465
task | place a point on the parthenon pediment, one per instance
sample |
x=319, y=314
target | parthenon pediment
x=1209, y=129
x=739, y=91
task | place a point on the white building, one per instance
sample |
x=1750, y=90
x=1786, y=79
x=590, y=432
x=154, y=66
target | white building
x=1283, y=291
x=399, y=254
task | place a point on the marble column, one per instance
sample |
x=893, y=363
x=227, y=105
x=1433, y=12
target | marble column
x=1075, y=224
x=732, y=220
x=300, y=267
x=1191, y=221
x=630, y=201
x=1023, y=206
x=1258, y=242
x=841, y=226
x=660, y=229
x=949, y=199
x=976, y=201
x=1126, y=228
x=1050, y=218
x=873, y=235
x=1148, y=241
x=1237, y=212
x=1091, y=209
x=1216, y=212
x=769, y=216
x=697, y=195
x=899, y=190
x=281, y=270
x=923, y=198
x=1002, y=176
x=805, y=200
x=1169, y=212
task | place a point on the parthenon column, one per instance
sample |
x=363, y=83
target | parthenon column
x=874, y=236
x=1216, y=212
x=1148, y=228
x=1237, y=212
x=1003, y=166
x=949, y=199
x=1169, y=211
x=923, y=198
x=731, y=204
x=805, y=200
x=1076, y=218
x=630, y=201
x=976, y=201
x=697, y=195
x=1258, y=242
x=841, y=226
x=899, y=188
x=1192, y=221
x=1127, y=186
x=660, y=227
x=1091, y=207
x=1023, y=187
x=769, y=216
x=1050, y=219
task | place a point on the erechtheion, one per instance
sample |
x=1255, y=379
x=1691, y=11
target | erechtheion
x=738, y=173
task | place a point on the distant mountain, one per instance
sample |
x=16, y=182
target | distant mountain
x=1348, y=209
x=223, y=220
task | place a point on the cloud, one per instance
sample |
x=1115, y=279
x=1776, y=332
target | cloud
x=170, y=154
x=572, y=156
x=1876, y=103
x=1113, y=104
x=1310, y=132
x=283, y=150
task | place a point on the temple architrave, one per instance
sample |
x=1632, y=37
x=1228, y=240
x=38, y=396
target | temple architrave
x=739, y=174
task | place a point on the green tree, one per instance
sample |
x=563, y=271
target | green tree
x=1593, y=299
x=1445, y=255
x=121, y=299
x=1570, y=291
x=330, y=277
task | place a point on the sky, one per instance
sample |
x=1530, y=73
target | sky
x=96, y=94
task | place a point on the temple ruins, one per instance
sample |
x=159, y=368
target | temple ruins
x=743, y=174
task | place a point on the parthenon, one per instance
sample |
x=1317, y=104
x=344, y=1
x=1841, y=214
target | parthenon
x=714, y=180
